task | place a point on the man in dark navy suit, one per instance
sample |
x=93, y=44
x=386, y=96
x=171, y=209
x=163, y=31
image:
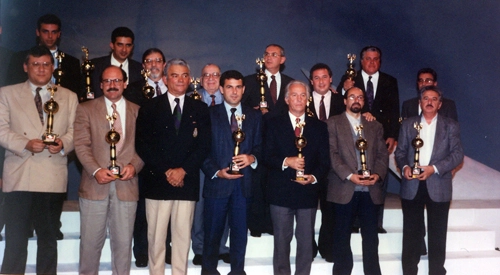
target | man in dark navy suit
x=227, y=194
x=293, y=196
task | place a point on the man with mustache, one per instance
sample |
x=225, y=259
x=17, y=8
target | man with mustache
x=122, y=46
x=108, y=201
x=432, y=189
x=353, y=193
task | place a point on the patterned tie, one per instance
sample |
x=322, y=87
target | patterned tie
x=297, y=128
x=322, y=110
x=273, y=88
x=177, y=115
x=158, y=90
x=234, y=123
x=118, y=128
x=38, y=103
x=369, y=92
x=213, y=100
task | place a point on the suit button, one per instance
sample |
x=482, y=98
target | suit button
x=32, y=154
x=24, y=133
x=50, y=156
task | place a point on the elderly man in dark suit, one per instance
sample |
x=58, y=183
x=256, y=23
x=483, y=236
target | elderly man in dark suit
x=411, y=107
x=292, y=195
x=351, y=192
x=431, y=189
x=122, y=46
x=107, y=202
x=227, y=193
x=173, y=138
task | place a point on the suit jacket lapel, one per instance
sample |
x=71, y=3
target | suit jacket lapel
x=27, y=103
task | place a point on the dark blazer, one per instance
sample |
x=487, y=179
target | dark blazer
x=251, y=97
x=161, y=148
x=343, y=155
x=101, y=63
x=447, y=154
x=223, y=148
x=385, y=106
x=70, y=66
x=279, y=143
x=410, y=108
x=337, y=106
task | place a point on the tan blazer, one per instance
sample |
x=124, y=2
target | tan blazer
x=92, y=150
x=19, y=123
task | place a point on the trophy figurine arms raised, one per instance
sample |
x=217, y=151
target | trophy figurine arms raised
x=87, y=68
x=300, y=143
x=50, y=107
x=58, y=72
x=113, y=137
x=417, y=143
x=238, y=137
x=262, y=78
x=361, y=145
x=148, y=91
x=195, y=95
x=350, y=73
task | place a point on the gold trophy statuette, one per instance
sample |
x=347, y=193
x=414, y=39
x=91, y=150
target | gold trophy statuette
x=351, y=72
x=308, y=110
x=58, y=72
x=87, y=68
x=300, y=143
x=238, y=137
x=195, y=95
x=417, y=143
x=261, y=76
x=112, y=137
x=50, y=107
x=361, y=145
x=148, y=91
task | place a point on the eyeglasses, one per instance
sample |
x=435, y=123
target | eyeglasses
x=151, y=60
x=207, y=75
x=359, y=97
x=37, y=65
x=266, y=54
x=109, y=81
x=426, y=81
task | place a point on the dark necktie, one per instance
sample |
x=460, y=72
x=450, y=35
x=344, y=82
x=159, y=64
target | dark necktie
x=177, y=115
x=158, y=90
x=234, y=124
x=213, y=100
x=118, y=128
x=369, y=92
x=297, y=128
x=273, y=88
x=322, y=110
x=38, y=103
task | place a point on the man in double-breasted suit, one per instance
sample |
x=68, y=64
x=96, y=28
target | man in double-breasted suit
x=35, y=174
x=431, y=189
x=290, y=196
x=173, y=138
x=353, y=193
x=107, y=202
x=122, y=46
x=226, y=192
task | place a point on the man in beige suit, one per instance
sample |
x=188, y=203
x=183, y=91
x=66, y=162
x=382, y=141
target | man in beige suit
x=34, y=173
x=107, y=202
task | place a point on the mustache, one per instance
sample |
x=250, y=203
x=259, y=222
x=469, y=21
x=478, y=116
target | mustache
x=112, y=90
x=429, y=105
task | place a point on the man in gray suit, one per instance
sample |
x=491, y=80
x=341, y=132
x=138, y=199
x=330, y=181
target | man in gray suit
x=350, y=192
x=441, y=153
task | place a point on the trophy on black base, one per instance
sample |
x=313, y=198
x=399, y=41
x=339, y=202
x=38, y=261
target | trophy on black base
x=361, y=145
x=113, y=137
x=261, y=76
x=238, y=137
x=50, y=107
x=147, y=90
x=351, y=72
x=58, y=72
x=417, y=143
x=300, y=143
x=195, y=95
x=87, y=68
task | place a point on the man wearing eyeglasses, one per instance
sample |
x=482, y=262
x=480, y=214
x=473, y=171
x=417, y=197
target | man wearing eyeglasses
x=353, y=193
x=411, y=107
x=35, y=174
x=108, y=201
x=122, y=46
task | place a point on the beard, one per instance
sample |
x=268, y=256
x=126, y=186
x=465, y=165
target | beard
x=155, y=73
x=355, y=108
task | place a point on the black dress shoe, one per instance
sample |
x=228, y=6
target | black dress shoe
x=197, y=260
x=141, y=262
x=381, y=230
x=355, y=229
x=225, y=257
x=255, y=233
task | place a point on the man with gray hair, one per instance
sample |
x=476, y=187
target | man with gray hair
x=173, y=138
x=294, y=179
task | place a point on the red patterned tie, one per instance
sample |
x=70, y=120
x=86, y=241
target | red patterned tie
x=158, y=90
x=322, y=110
x=213, y=100
x=273, y=88
x=297, y=128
